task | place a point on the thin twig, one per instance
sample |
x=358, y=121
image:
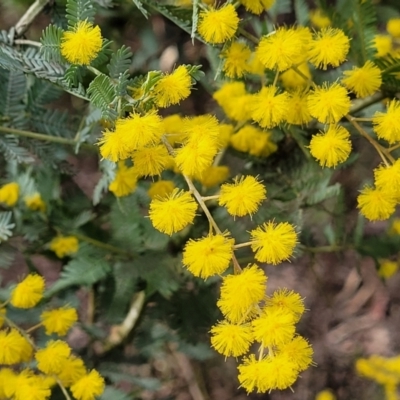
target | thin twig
x=31, y=13
x=27, y=42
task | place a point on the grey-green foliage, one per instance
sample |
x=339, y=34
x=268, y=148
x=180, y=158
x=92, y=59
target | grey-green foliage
x=390, y=67
x=51, y=42
x=6, y=226
x=120, y=61
x=80, y=10
x=102, y=94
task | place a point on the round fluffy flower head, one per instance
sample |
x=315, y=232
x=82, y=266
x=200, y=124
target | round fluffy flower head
x=292, y=80
x=89, y=386
x=274, y=327
x=7, y=383
x=50, y=359
x=387, y=125
x=35, y=202
x=214, y=175
x=151, y=161
x=113, y=146
x=174, y=212
x=393, y=27
x=125, y=180
x=287, y=301
x=298, y=112
x=64, y=245
x=273, y=243
x=231, y=340
x=328, y=47
x=242, y=197
x=82, y=44
x=383, y=45
x=328, y=103
x=387, y=268
x=172, y=88
x=31, y=386
x=208, y=256
x=257, y=6
x=240, y=293
x=394, y=227
x=388, y=178
x=14, y=348
x=332, y=147
x=218, y=26
x=236, y=58
x=299, y=352
x=376, y=204
x=269, y=108
x=160, y=188
x=59, y=321
x=28, y=292
x=363, y=81
x=319, y=19
x=282, y=373
x=9, y=194
x=325, y=394
x=253, y=375
x=281, y=49
x=73, y=369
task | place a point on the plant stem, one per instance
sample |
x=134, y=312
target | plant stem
x=31, y=13
x=34, y=327
x=325, y=249
x=364, y=103
x=383, y=153
x=249, y=36
x=103, y=245
x=206, y=198
x=395, y=147
x=27, y=42
x=240, y=245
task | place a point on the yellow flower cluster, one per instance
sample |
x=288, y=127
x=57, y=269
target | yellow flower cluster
x=55, y=362
x=385, y=371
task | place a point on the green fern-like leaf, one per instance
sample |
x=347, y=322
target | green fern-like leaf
x=42, y=93
x=302, y=12
x=80, y=10
x=51, y=42
x=390, y=67
x=10, y=148
x=83, y=271
x=139, y=5
x=102, y=94
x=195, y=17
x=120, y=61
x=7, y=255
x=6, y=226
x=108, y=169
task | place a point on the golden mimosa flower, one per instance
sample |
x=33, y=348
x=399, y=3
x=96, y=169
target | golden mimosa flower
x=59, y=320
x=89, y=386
x=376, y=204
x=50, y=359
x=14, y=348
x=387, y=125
x=218, y=25
x=64, y=245
x=236, y=58
x=160, y=188
x=125, y=180
x=257, y=6
x=82, y=44
x=35, y=202
x=393, y=27
x=28, y=292
x=9, y=194
x=151, y=160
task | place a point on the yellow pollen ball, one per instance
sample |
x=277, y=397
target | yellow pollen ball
x=50, y=359
x=393, y=27
x=9, y=194
x=59, y=321
x=125, y=180
x=236, y=58
x=160, y=188
x=29, y=292
x=387, y=125
x=64, y=245
x=82, y=44
x=376, y=204
x=35, y=202
x=257, y=6
x=89, y=386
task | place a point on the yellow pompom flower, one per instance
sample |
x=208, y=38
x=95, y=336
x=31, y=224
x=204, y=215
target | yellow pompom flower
x=8, y=379
x=387, y=268
x=3, y=312
x=113, y=146
x=174, y=212
x=281, y=49
x=208, y=256
x=268, y=108
x=273, y=243
x=328, y=47
x=332, y=147
x=254, y=141
x=172, y=88
x=298, y=112
x=395, y=227
x=50, y=359
x=253, y=374
x=325, y=394
x=28, y=292
x=82, y=44
x=160, y=188
x=72, y=371
x=218, y=26
x=89, y=386
x=151, y=161
x=9, y=194
x=236, y=58
x=393, y=27
x=14, y=348
x=64, y=245
x=299, y=352
x=29, y=386
x=319, y=19
x=287, y=301
x=363, y=81
x=257, y=6
x=197, y=128
x=387, y=125
x=231, y=340
x=214, y=176
x=196, y=156
x=125, y=180
x=225, y=133
x=35, y=202
x=376, y=204
x=383, y=45
x=388, y=178
x=292, y=80
x=328, y=103
x=282, y=373
x=59, y=321
x=240, y=293
x=242, y=197
x=274, y=327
